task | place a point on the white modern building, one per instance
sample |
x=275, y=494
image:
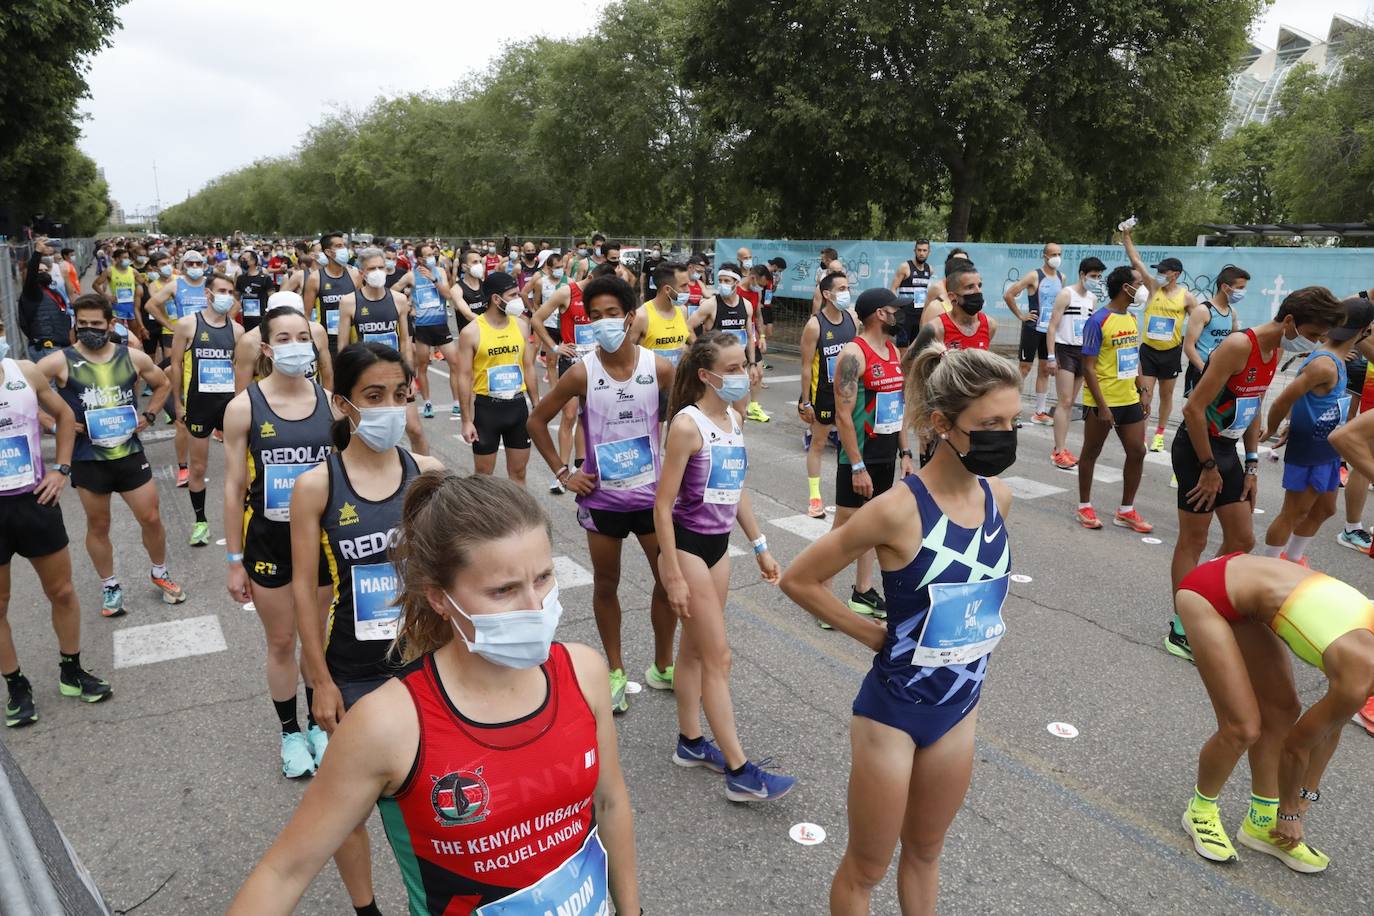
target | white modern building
x=1255, y=90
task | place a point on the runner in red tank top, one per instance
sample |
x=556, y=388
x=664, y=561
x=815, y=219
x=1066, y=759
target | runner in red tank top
x=447, y=749
x=964, y=326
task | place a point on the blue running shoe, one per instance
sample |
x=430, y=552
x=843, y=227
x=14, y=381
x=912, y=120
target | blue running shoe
x=456, y=413
x=806, y=440
x=428, y=411
x=834, y=440
x=112, y=604
x=296, y=760
x=756, y=783
x=318, y=739
x=706, y=755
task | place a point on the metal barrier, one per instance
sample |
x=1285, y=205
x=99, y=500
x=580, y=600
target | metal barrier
x=40, y=873
x=13, y=256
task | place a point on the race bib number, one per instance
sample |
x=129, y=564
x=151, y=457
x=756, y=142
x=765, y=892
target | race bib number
x=584, y=341
x=740, y=335
x=124, y=302
x=109, y=427
x=390, y=338
x=964, y=622
x=580, y=885
x=252, y=308
x=192, y=305
x=429, y=310
x=1127, y=362
x=374, y=601
x=277, y=483
x=673, y=356
x=887, y=412
x=830, y=366
x=918, y=295
x=1079, y=324
x=726, y=477
x=625, y=464
x=1246, y=408
x=331, y=322
x=1160, y=327
x=504, y=382
x=16, y=463
x=215, y=376
x=768, y=297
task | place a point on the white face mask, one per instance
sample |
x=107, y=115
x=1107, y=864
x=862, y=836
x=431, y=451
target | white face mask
x=514, y=308
x=558, y=273
x=477, y=270
x=514, y=639
x=1054, y=262
x=375, y=278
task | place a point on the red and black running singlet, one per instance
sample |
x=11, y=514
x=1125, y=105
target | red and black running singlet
x=1239, y=400
x=497, y=820
x=955, y=339
x=574, y=325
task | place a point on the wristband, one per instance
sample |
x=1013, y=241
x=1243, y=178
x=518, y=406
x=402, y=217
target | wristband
x=558, y=474
x=1049, y=358
x=234, y=557
x=760, y=545
x=1288, y=817
x=857, y=468
x=1252, y=456
x=903, y=453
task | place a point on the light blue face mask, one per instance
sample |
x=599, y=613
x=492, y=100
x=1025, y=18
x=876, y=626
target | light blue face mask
x=321, y=258
x=843, y=299
x=293, y=359
x=514, y=639
x=1298, y=344
x=222, y=303
x=4, y=348
x=1235, y=296
x=682, y=298
x=609, y=333
x=380, y=428
x=732, y=388
x=341, y=255
x=1095, y=286
x=195, y=273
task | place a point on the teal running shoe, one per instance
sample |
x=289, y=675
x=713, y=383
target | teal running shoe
x=296, y=760
x=318, y=739
x=112, y=604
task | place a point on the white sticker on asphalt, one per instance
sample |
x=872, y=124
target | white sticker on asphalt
x=1025, y=488
x=1062, y=730
x=633, y=686
x=1151, y=541
x=569, y=573
x=250, y=606
x=736, y=551
x=219, y=543
x=802, y=525
x=1259, y=511
x=1021, y=578
x=807, y=834
x=161, y=642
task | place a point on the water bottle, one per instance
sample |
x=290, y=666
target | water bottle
x=1127, y=225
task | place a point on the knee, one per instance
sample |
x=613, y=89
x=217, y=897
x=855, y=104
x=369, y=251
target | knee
x=98, y=526
x=1240, y=734
x=1283, y=713
x=922, y=853
x=281, y=646
x=150, y=517
x=863, y=872
x=717, y=662
x=1242, y=541
x=1134, y=447
x=61, y=594
x=606, y=587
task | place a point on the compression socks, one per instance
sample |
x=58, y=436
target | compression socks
x=1201, y=804
x=1042, y=402
x=310, y=707
x=70, y=664
x=198, y=504
x=813, y=484
x=286, y=714
x=1297, y=546
x=1262, y=811
x=368, y=910
x=1177, y=625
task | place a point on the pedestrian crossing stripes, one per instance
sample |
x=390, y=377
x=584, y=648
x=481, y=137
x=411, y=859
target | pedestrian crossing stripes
x=569, y=573
x=162, y=642
x=802, y=525
x=1025, y=488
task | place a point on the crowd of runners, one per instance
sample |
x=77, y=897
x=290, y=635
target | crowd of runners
x=417, y=608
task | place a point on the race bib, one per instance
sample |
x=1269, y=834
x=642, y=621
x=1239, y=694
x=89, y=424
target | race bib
x=1160, y=327
x=1246, y=408
x=331, y=322
x=374, y=601
x=124, y=302
x=504, y=382
x=673, y=356
x=390, y=338
x=830, y=366
x=429, y=310
x=252, y=308
x=1127, y=362
x=1079, y=324
x=277, y=483
x=740, y=335
x=918, y=295
x=215, y=376
x=580, y=885
x=887, y=413
x=109, y=427
x=583, y=339
x=726, y=477
x=964, y=622
x=192, y=305
x=16, y=463
x=625, y=464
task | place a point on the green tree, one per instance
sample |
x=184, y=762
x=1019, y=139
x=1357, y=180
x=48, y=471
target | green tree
x=1241, y=169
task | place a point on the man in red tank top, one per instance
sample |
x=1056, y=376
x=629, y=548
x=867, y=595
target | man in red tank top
x=964, y=326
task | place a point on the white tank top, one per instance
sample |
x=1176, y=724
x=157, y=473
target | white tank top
x=1069, y=331
x=21, y=452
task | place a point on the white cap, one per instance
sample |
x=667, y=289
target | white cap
x=192, y=254
x=545, y=255
x=287, y=298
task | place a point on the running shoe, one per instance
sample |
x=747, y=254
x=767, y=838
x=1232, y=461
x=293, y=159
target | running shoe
x=768, y=366
x=815, y=509
x=869, y=603
x=19, y=708
x=1177, y=644
x=1365, y=717
x=171, y=418
x=1359, y=539
x=1088, y=518
x=112, y=604
x=659, y=680
x=217, y=435
x=1345, y=476
x=834, y=440
x=1301, y=858
x=456, y=413
x=1133, y=521
x=556, y=488
x=706, y=755
x=755, y=413
x=200, y=534
x=757, y=783
x=1173, y=481
x=1064, y=460
x=1208, y=836
x=318, y=740
x=183, y=477
x=84, y=685
x=806, y=440
x=1301, y=561
x=296, y=760
x=171, y=592
x=1157, y=443
x=1040, y=418
x=619, y=701
x=427, y=411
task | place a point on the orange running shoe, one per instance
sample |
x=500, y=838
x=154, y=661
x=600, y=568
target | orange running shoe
x=1133, y=521
x=815, y=509
x=1088, y=518
x=1064, y=460
x=1365, y=716
x=171, y=592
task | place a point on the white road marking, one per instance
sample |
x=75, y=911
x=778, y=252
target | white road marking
x=161, y=642
x=802, y=525
x=737, y=551
x=1025, y=488
x=570, y=573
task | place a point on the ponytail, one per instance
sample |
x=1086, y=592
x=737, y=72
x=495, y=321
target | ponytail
x=948, y=381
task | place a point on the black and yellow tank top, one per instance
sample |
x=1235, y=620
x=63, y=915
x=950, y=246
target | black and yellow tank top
x=375, y=320
x=279, y=451
x=831, y=340
x=207, y=365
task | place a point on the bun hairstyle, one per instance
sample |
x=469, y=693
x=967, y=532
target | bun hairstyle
x=349, y=367
x=949, y=381
x=702, y=354
x=445, y=521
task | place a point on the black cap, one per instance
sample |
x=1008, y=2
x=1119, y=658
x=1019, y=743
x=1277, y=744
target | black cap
x=870, y=300
x=1168, y=264
x=498, y=282
x=1359, y=314
x=779, y=263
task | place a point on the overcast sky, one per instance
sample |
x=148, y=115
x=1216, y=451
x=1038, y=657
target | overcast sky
x=243, y=81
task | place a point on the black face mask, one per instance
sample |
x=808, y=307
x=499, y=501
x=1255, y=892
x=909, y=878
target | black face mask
x=92, y=338
x=891, y=329
x=990, y=451
x=971, y=303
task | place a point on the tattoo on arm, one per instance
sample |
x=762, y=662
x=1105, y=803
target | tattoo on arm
x=849, y=376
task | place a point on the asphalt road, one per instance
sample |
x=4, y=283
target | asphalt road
x=175, y=783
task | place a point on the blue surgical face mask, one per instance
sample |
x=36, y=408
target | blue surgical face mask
x=165, y=270
x=1298, y=344
x=726, y=289
x=431, y=261
x=293, y=359
x=842, y=299
x=746, y=263
x=195, y=273
x=380, y=428
x=222, y=303
x=609, y=333
x=4, y=348
x=1235, y=296
x=732, y=388
x=341, y=255
x=513, y=639
x=682, y=297
x=1095, y=286
x=321, y=258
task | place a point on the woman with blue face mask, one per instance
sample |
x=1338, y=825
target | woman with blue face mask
x=700, y=497
x=447, y=748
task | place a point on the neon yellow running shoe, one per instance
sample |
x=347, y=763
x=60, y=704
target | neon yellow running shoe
x=755, y=412
x=1157, y=443
x=619, y=701
x=1208, y=836
x=1301, y=858
x=658, y=680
